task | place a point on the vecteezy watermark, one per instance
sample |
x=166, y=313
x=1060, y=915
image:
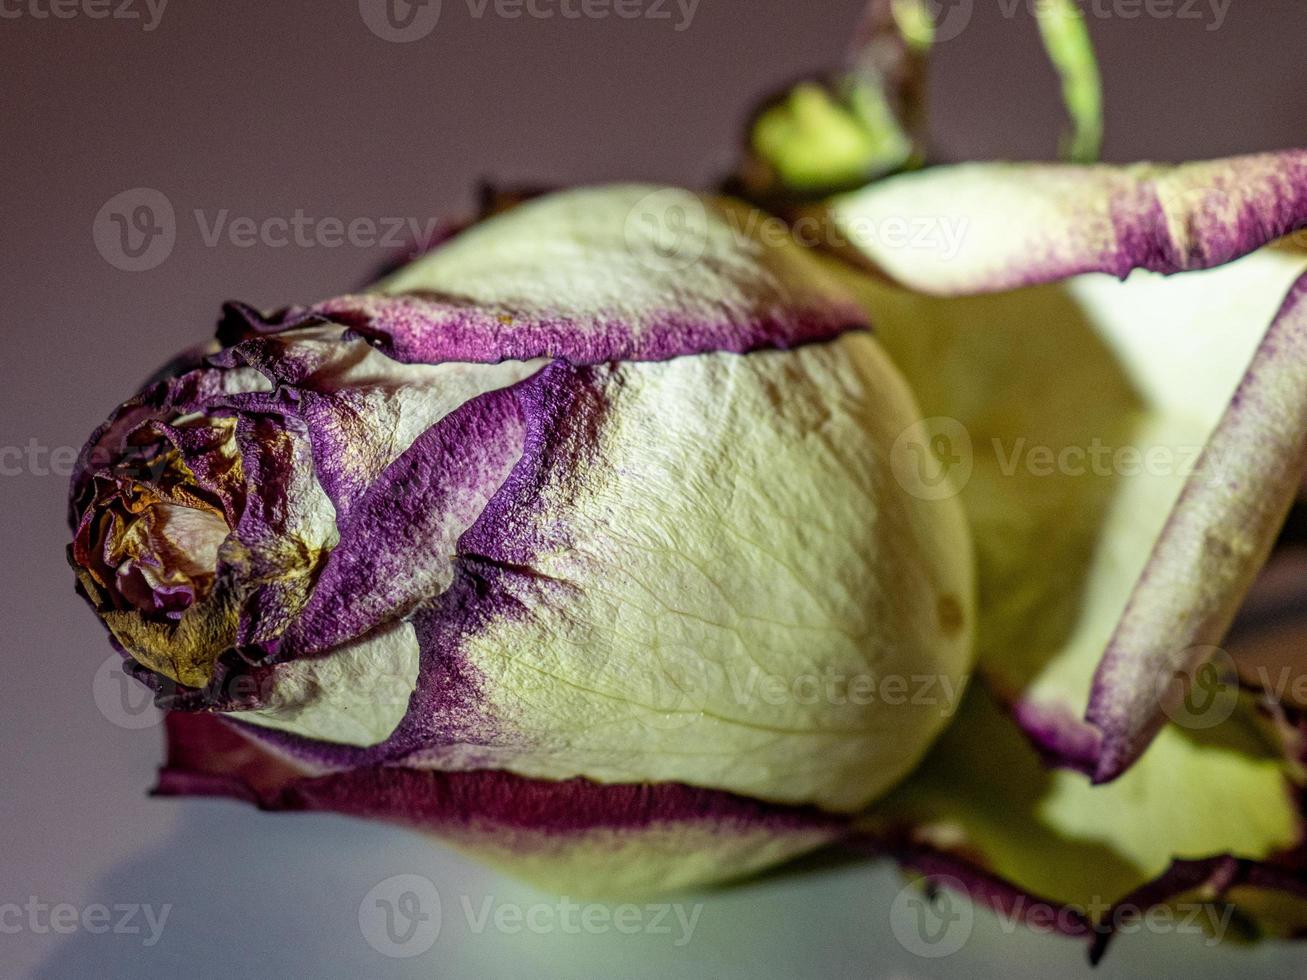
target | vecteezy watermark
x=123, y=700
x=402, y=917
x=300, y=230
x=273, y=692
x=1288, y=686
x=952, y=17
x=147, y=12
x=1096, y=458
x=934, y=921
x=405, y=21
x=35, y=458
x=933, y=459
x=936, y=457
x=41, y=459
x=136, y=230
x=835, y=687
x=1211, y=13
x=676, y=921
x=934, y=918
x=400, y=21
x=63, y=918
x=669, y=230
x=679, y=685
x=1203, y=691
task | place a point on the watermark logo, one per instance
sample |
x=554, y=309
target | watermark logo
x=404, y=21
x=128, y=703
x=147, y=12
x=1017, y=457
x=675, y=688
x=37, y=459
x=123, y=700
x=667, y=230
x=936, y=457
x=400, y=21
x=1210, y=12
x=676, y=921
x=935, y=921
x=835, y=687
x=135, y=230
x=64, y=919
x=951, y=17
x=933, y=459
x=400, y=918
x=1204, y=692
x=138, y=229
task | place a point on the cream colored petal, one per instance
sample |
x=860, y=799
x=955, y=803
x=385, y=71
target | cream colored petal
x=355, y=695
x=747, y=598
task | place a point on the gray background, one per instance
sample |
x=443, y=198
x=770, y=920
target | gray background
x=264, y=108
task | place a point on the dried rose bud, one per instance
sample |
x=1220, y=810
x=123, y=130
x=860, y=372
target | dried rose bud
x=517, y=545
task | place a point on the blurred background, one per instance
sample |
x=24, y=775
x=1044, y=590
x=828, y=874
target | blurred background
x=254, y=110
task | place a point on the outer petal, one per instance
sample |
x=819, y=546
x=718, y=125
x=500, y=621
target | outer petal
x=1035, y=223
x=641, y=602
x=623, y=272
x=362, y=410
x=574, y=837
x=1083, y=550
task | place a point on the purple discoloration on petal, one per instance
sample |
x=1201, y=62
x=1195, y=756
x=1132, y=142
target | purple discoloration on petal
x=416, y=329
x=626, y=272
x=564, y=410
x=208, y=757
x=361, y=410
x=550, y=422
x=1024, y=224
x=397, y=550
x=1212, y=546
x=303, y=408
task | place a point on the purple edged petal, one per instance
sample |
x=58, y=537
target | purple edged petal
x=1217, y=538
x=628, y=272
x=988, y=227
x=575, y=836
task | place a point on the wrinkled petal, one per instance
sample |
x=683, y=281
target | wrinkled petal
x=398, y=549
x=361, y=409
x=356, y=696
x=1025, y=224
x=626, y=272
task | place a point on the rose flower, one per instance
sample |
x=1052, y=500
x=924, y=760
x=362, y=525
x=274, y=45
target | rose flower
x=636, y=539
